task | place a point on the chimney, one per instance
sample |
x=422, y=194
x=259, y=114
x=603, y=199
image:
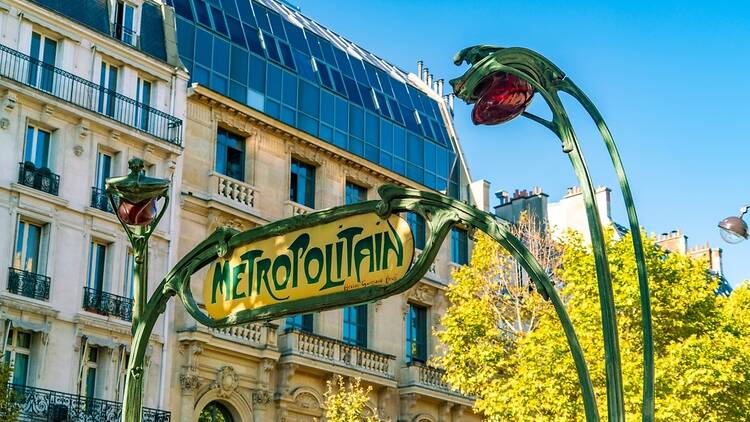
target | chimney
x=440, y=87
x=429, y=80
x=420, y=65
x=451, y=96
x=425, y=72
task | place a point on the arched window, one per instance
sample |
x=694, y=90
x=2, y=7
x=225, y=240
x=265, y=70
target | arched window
x=215, y=412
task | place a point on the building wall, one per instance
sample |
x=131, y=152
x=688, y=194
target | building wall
x=264, y=372
x=62, y=330
x=570, y=212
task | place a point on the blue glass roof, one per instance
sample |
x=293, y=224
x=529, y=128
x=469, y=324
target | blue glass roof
x=271, y=57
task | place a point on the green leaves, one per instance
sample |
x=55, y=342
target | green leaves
x=702, y=341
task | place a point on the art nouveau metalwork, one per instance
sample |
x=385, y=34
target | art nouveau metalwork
x=498, y=83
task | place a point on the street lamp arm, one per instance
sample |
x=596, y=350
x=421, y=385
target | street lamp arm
x=542, y=121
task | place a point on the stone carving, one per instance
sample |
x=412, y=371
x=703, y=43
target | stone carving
x=226, y=381
x=189, y=379
x=262, y=397
x=306, y=400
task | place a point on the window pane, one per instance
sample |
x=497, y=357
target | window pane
x=20, y=369
x=355, y=193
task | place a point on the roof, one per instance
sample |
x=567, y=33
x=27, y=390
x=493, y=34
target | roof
x=296, y=70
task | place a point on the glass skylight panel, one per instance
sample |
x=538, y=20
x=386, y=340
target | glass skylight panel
x=395, y=111
x=261, y=15
x=286, y=55
x=325, y=78
x=271, y=48
x=246, y=12
x=359, y=71
x=367, y=99
x=252, y=35
x=304, y=66
x=313, y=42
x=235, y=31
x=201, y=12
x=343, y=62
x=426, y=128
x=276, y=25
x=218, y=18
x=182, y=8
x=338, y=81
x=352, y=89
x=296, y=37
x=328, y=54
x=229, y=7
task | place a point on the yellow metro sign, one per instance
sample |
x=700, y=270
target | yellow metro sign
x=342, y=255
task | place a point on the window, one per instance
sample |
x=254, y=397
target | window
x=36, y=148
x=103, y=169
x=127, y=285
x=90, y=371
x=355, y=325
x=230, y=154
x=417, y=225
x=416, y=334
x=97, y=261
x=107, y=89
x=355, y=193
x=125, y=23
x=18, y=355
x=302, y=184
x=301, y=322
x=43, y=53
x=459, y=246
x=28, y=246
x=143, y=96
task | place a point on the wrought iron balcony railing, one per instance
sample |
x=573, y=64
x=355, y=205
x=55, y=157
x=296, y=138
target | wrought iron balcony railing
x=86, y=94
x=40, y=405
x=100, y=201
x=41, y=179
x=105, y=303
x=24, y=283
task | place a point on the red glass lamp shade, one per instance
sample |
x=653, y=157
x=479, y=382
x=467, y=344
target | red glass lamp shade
x=501, y=97
x=137, y=214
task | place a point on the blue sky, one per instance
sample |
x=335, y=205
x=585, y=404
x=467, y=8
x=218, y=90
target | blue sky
x=670, y=77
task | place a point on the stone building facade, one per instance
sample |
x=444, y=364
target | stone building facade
x=255, y=113
x=261, y=152
x=84, y=86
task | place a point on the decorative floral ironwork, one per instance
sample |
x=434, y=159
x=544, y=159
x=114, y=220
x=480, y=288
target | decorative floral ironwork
x=107, y=303
x=38, y=404
x=41, y=179
x=24, y=283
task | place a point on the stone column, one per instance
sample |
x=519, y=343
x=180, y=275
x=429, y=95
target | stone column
x=263, y=395
x=189, y=379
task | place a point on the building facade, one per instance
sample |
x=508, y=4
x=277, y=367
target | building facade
x=255, y=113
x=284, y=117
x=84, y=87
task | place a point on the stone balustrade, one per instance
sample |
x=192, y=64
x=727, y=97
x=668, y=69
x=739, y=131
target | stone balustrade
x=301, y=343
x=232, y=192
x=420, y=374
x=255, y=334
x=294, y=209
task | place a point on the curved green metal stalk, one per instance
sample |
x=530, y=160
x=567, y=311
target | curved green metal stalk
x=548, y=80
x=648, y=408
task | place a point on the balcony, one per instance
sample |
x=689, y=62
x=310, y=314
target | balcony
x=422, y=375
x=100, y=201
x=38, y=405
x=107, y=304
x=126, y=35
x=24, y=283
x=301, y=343
x=232, y=192
x=41, y=179
x=88, y=95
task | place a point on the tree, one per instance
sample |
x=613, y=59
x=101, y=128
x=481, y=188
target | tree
x=347, y=402
x=702, y=341
x=10, y=409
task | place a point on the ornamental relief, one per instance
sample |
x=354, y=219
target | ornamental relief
x=226, y=381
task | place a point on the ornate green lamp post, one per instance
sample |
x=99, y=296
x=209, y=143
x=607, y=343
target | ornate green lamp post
x=135, y=198
x=501, y=83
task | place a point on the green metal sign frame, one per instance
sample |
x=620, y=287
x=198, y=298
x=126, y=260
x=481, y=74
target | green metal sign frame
x=441, y=214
